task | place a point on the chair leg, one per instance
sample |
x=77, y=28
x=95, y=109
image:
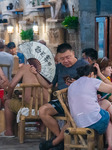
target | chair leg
x=16, y=129
x=21, y=131
x=100, y=142
x=67, y=141
x=48, y=134
x=91, y=142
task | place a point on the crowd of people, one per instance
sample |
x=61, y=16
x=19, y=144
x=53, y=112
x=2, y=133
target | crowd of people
x=90, y=76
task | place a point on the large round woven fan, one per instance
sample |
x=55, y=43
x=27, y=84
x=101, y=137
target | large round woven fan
x=41, y=57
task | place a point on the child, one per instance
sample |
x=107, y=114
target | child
x=84, y=107
x=106, y=69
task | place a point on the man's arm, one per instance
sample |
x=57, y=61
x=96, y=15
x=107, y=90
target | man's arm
x=14, y=82
x=3, y=80
x=41, y=80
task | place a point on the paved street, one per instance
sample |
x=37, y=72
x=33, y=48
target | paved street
x=13, y=144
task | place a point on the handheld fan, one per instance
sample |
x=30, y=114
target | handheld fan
x=40, y=57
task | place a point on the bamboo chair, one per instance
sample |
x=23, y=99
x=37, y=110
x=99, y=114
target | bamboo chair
x=15, y=65
x=57, y=117
x=8, y=67
x=74, y=137
x=35, y=103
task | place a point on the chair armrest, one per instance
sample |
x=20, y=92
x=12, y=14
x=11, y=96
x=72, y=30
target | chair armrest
x=80, y=131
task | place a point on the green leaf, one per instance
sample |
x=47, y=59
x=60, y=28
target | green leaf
x=27, y=34
x=70, y=22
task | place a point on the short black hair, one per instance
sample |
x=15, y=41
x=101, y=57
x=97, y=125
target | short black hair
x=64, y=47
x=11, y=45
x=90, y=52
x=86, y=70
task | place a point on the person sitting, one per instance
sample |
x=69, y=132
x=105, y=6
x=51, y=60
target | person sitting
x=4, y=82
x=90, y=55
x=12, y=105
x=12, y=50
x=106, y=69
x=67, y=66
x=6, y=58
x=84, y=107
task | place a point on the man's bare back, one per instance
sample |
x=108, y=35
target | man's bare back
x=27, y=77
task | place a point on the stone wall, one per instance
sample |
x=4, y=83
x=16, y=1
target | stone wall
x=74, y=37
x=87, y=12
x=104, y=7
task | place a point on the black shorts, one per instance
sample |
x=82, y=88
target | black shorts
x=56, y=104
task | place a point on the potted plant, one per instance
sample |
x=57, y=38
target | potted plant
x=27, y=34
x=70, y=23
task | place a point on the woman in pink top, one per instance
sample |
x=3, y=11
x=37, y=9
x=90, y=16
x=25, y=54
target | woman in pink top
x=83, y=103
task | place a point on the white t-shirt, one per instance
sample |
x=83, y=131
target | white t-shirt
x=82, y=98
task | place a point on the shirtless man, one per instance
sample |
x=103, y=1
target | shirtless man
x=3, y=83
x=3, y=80
x=13, y=105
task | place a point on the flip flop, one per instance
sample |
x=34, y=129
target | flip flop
x=2, y=134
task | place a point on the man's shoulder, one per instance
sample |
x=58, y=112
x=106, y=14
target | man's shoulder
x=6, y=54
x=81, y=62
x=10, y=55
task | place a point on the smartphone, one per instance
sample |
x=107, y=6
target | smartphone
x=103, y=97
x=66, y=78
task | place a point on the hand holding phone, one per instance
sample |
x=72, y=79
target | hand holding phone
x=67, y=78
x=103, y=97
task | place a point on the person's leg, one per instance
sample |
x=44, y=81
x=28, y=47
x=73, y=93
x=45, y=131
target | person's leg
x=109, y=136
x=9, y=118
x=60, y=137
x=11, y=108
x=46, y=112
x=106, y=105
x=104, y=125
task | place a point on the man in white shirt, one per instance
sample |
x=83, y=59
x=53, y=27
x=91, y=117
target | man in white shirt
x=6, y=58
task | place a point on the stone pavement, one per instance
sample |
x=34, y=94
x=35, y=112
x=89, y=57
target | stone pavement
x=13, y=144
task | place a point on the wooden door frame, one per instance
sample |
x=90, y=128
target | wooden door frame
x=110, y=37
